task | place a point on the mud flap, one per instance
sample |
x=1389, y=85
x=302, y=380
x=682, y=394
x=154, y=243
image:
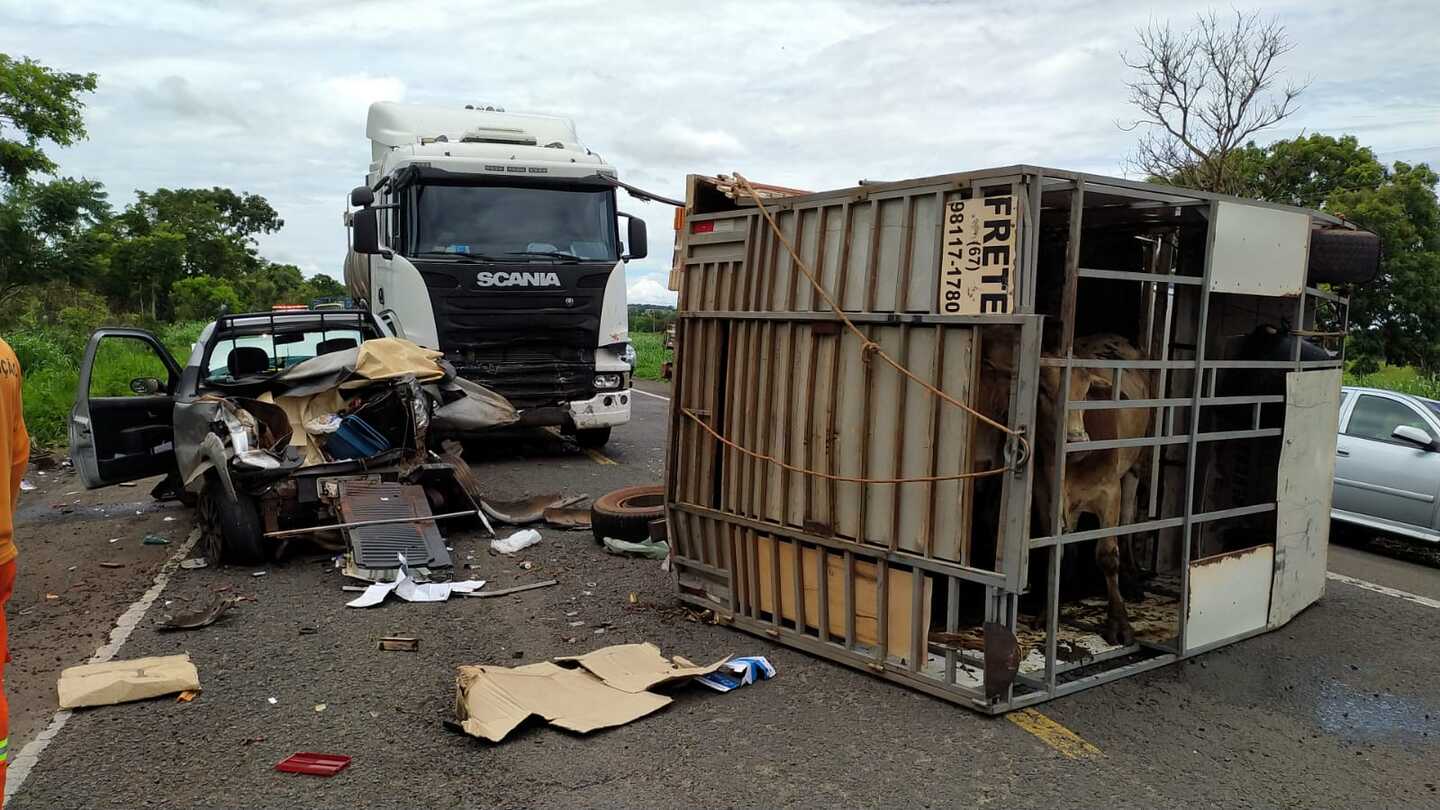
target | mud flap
x=1002, y=660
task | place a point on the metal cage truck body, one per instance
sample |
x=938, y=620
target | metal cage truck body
x=494, y=237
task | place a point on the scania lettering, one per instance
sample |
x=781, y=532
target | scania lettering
x=517, y=279
x=495, y=238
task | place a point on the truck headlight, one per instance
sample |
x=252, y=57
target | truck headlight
x=609, y=382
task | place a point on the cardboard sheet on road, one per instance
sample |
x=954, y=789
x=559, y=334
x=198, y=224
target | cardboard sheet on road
x=124, y=681
x=607, y=689
x=638, y=667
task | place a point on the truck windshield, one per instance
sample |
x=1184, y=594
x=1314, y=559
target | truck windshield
x=516, y=222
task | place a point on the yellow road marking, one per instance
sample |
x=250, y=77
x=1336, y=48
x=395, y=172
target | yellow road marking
x=598, y=457
x=1062, y=739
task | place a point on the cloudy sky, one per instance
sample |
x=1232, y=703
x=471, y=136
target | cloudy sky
x=270, y=96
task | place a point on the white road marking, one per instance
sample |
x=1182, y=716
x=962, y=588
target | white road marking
x=648, y=394
x=29, y=757
x=1398, y=594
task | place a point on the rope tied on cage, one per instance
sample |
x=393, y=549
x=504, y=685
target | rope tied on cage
x=869, y=349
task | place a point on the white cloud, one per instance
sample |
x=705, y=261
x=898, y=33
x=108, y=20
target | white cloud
x=270, y=97
x=650, y=291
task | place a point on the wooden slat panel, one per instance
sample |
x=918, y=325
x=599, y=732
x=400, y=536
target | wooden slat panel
x=914, y=423
x=885, y=405
x=953, y=443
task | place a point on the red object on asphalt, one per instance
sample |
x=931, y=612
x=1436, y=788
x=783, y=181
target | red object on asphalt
x=313, y=764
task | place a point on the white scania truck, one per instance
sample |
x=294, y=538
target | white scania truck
x=495, y=238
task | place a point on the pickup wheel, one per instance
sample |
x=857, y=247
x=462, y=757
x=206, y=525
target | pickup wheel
x=625, y=514
x=593, y=438
x=230, y=530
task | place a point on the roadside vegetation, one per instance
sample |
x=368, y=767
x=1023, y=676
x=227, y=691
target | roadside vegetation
x=650, y=352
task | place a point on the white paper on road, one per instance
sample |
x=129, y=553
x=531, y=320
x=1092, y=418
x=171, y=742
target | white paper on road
x=408, y=589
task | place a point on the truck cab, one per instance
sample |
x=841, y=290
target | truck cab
x=495, y=238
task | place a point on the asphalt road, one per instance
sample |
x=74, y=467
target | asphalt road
x=1339, y=708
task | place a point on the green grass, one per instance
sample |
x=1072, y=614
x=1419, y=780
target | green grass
x=50, y=361
x=1404, y=379
x=649, y=354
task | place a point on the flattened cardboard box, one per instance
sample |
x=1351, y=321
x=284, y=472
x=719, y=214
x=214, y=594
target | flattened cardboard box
x=608, y=689
x=124, y=681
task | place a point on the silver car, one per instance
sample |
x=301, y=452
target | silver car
x=1387, y=463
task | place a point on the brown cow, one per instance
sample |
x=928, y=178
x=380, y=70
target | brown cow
x=1098, y=482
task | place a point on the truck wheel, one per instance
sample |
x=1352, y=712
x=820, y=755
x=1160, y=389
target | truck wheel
x=625, y=514
x=230, y=530
x=592, y=437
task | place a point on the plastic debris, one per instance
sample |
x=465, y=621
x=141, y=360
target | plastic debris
x=273, y=701
x=400, y=644
x=738, y=672
x=187, y=696
x=320, y=707
x=312, y=764
x=259, y=573
x=194, y=562
x=153, y=540
x=521, y=539
x=651, y=549
x=26, y=486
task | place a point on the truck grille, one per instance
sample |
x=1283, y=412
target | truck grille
x=534, y=346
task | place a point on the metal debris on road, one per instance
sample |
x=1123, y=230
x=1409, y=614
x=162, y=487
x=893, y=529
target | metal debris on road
x=259, y=573
x=194, y=620
x=408, y=589
x=528, y=510
x=399, y=644
x=517, y=589
x=572, y=518
x=112, y=565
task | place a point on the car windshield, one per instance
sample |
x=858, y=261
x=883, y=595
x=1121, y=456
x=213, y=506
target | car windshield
x=518, y=223
x=249, y=355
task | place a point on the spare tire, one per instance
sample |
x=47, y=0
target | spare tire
x=625, y=514
x=1343, y=256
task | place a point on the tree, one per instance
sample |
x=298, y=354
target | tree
x=218, y=225
x=37, y=104
x=323, y=286
x=144, y=268
x=202, y=297
x=1204, y=93
x=46, y=230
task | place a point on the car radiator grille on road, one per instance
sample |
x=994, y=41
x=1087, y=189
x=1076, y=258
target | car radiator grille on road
x=379, y=546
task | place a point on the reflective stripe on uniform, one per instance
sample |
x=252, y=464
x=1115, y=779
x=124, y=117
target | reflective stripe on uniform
x=5, y=750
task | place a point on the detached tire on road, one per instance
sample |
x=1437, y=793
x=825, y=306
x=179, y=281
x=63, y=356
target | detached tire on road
x=232, y=529
x=625, y=514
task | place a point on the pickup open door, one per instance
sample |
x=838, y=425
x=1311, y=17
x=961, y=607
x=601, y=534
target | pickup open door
x=121, y=427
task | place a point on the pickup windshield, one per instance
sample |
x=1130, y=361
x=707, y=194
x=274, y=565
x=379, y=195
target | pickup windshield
x=516, y=223
x=241, y=356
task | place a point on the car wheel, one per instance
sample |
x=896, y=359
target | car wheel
x=592, y=437
x=625, y=514
x=231, y=531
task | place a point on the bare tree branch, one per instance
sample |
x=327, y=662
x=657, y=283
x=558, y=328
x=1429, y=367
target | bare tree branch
x=1202, y=94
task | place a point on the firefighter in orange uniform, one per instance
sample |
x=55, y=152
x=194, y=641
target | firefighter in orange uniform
x=14, y=456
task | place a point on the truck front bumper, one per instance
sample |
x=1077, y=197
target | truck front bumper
x=603, y=410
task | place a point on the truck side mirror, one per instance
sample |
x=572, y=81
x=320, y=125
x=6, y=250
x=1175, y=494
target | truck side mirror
x=635, y=240
x=365, y=231
x=362, y=197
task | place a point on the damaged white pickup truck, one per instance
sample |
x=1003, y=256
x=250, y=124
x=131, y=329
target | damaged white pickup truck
x=286, y=420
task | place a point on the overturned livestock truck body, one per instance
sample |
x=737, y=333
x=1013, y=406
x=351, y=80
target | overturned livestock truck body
x=1004, y=435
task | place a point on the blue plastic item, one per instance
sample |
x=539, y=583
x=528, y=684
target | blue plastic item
x=355, y=439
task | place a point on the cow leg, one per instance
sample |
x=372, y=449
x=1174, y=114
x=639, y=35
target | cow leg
x=1107, y=554
x=1130, y=584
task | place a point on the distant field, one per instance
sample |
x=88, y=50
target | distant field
x=649, y=354
x=1405, y=379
